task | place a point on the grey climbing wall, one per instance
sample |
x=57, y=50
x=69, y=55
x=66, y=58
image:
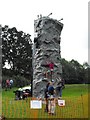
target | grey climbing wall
x=47, y=39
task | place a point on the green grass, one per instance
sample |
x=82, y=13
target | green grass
x=9, y=93
x=75, y=90
x=75, y=96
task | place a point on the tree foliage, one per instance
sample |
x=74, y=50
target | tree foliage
x=16, y=51
x=74, y=72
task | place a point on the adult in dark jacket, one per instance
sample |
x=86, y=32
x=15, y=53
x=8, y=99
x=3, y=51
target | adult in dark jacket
x=51, y=99
x=46, y=96
x=60, y=86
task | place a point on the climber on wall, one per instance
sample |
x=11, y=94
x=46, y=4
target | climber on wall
x=51, y=66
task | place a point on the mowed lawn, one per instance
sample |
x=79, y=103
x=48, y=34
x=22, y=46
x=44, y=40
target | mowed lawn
x=76, y=104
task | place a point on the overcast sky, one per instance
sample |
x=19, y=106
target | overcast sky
x=74, y=36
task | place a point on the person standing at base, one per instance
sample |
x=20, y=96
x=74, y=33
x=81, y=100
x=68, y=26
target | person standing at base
x=51, y=99
x=46, y=96
x=60, y=87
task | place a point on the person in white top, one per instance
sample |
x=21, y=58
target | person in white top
x=11, y=83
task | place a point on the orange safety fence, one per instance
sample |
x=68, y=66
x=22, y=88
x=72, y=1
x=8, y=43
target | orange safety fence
x=76, y=107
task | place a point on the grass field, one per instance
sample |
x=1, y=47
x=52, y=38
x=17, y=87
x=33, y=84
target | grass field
x=76, y=104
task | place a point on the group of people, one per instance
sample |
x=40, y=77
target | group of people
x=50, y=96
x=9, y=83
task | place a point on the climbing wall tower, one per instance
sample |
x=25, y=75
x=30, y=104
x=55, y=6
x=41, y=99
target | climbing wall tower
x=46, y=54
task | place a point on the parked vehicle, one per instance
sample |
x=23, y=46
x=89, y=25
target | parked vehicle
x=22, y=93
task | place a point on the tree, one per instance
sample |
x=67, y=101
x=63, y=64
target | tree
x=87, y=72
x=78, y=71
x=65, y=70
x=73, y=72
x=86, y=65
x=17, y=51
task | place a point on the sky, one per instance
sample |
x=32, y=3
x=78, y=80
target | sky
x=74, y=37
